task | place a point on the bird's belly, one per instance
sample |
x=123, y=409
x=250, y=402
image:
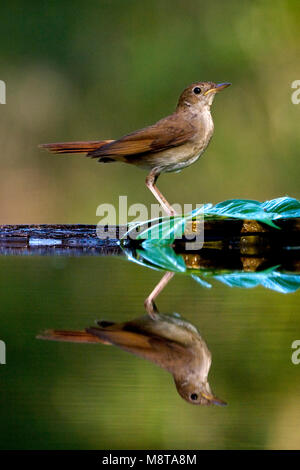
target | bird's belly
x=182, y=163
x=174, y=159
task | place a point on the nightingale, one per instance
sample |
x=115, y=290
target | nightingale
x=169, y=145
x=166, y=340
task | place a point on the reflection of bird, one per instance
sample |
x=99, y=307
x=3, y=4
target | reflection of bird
x=169, y=145
x=167, y=340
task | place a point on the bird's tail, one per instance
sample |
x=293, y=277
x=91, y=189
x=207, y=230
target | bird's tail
x=75, y=147
x=71, y=336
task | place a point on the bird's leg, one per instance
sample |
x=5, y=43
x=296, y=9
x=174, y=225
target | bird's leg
x=150, y=183
x=149, y=302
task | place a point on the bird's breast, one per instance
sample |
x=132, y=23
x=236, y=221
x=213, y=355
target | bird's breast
x=188, y=153
x=177, y=158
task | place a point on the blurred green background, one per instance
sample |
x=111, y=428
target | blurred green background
x=104, y=68
x=101, y=69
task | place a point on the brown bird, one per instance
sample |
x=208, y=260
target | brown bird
x=170, y=145
x=167, y=340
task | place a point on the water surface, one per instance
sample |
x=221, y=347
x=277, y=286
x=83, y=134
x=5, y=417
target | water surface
x=80, y=396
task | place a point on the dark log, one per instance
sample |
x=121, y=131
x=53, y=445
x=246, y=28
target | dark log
x=248, y=238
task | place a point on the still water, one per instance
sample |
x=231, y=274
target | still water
x=60, y=395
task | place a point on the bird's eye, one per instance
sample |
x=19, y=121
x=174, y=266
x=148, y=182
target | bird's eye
x=197, y=90
x=194, y=396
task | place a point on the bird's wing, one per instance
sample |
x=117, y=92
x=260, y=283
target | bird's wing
x=166, y=133
x=165, y=353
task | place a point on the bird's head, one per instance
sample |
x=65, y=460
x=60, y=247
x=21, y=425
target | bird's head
x=200, y=94
x=197, y=393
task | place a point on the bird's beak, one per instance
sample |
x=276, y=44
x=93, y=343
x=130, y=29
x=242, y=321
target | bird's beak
x=217, y=88
x=213, y=400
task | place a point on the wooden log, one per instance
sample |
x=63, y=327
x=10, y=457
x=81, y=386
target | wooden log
x=249, y=238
